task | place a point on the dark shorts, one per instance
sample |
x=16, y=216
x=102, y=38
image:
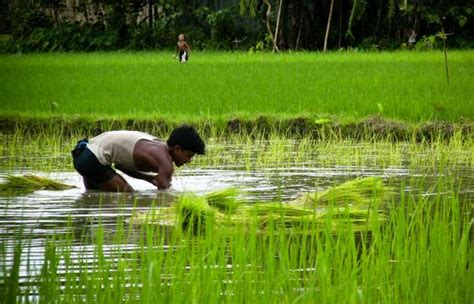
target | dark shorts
x=87, y=164
x=181, y=53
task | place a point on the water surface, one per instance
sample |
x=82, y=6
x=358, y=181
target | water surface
x=42, y=214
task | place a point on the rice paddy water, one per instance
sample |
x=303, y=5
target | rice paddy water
x=277, y=220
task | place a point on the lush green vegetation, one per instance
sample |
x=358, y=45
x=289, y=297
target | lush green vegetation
x=91, y=25
x=407, y=86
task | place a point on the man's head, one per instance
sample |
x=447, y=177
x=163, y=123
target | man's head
x=184, y=142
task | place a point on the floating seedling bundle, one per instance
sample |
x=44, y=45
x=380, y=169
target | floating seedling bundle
x=352, y=204
x=21, y=185
x=358, y=192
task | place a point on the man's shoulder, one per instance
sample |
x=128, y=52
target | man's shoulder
x=152, y=153
x=155, y=145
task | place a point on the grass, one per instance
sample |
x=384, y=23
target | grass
x=407, y=86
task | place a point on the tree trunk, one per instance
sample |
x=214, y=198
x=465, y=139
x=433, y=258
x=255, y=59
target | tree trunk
x=150, y=13
x=300, y=26
x=267, y=22
x=277, y=28
x=86, y=13
x=55, y=15
x=328, y=27
x=340, y=25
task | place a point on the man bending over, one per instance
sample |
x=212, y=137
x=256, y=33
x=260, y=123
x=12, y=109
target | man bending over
x=137, y=154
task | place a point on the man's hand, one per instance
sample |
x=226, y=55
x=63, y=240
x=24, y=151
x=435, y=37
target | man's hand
x=151, y=178
x=161, y=182
x=154, y=181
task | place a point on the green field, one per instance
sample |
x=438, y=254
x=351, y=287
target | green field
x=407, y=86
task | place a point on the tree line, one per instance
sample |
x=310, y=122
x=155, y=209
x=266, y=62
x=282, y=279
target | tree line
x=257, y=25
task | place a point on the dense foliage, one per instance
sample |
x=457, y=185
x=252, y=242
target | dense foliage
x=90, y=25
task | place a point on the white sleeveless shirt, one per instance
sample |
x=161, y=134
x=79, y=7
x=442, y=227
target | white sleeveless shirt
x=116, y=147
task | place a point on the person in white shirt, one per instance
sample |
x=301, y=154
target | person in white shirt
x=137, y=154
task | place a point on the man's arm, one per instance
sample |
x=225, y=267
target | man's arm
x=161, y=181
x=154, y=158
x=140, y=175
x=162, y=164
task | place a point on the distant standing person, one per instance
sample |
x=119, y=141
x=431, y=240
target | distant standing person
x=183, y=49
x=137, y=154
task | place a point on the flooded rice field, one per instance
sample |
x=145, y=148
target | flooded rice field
x=270, y=177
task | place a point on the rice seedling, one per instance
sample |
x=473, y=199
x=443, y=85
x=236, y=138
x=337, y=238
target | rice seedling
x=225, y=200
x=346, y=86
x=357, y=192
x=194, y=214
x=49, y=150
x=21, y=185
x=353, y=202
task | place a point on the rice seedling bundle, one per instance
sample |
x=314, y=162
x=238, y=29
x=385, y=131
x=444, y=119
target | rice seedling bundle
x=224, y=200
x=346, y=204
x=22, y=185
x=357, y=192
x=194, y=213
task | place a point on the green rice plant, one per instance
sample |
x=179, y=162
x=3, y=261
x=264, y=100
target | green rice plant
x=193, y=213
x=50, y=151
x=21, y=185
x=357, y=192
x=281, y=152
x=341, y=85
x=46, y=150
x=224, y=200
x=11, y=287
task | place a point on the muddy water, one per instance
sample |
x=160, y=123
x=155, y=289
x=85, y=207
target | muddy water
x=44, y=213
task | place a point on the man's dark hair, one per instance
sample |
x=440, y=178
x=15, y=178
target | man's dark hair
x=187, y=138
